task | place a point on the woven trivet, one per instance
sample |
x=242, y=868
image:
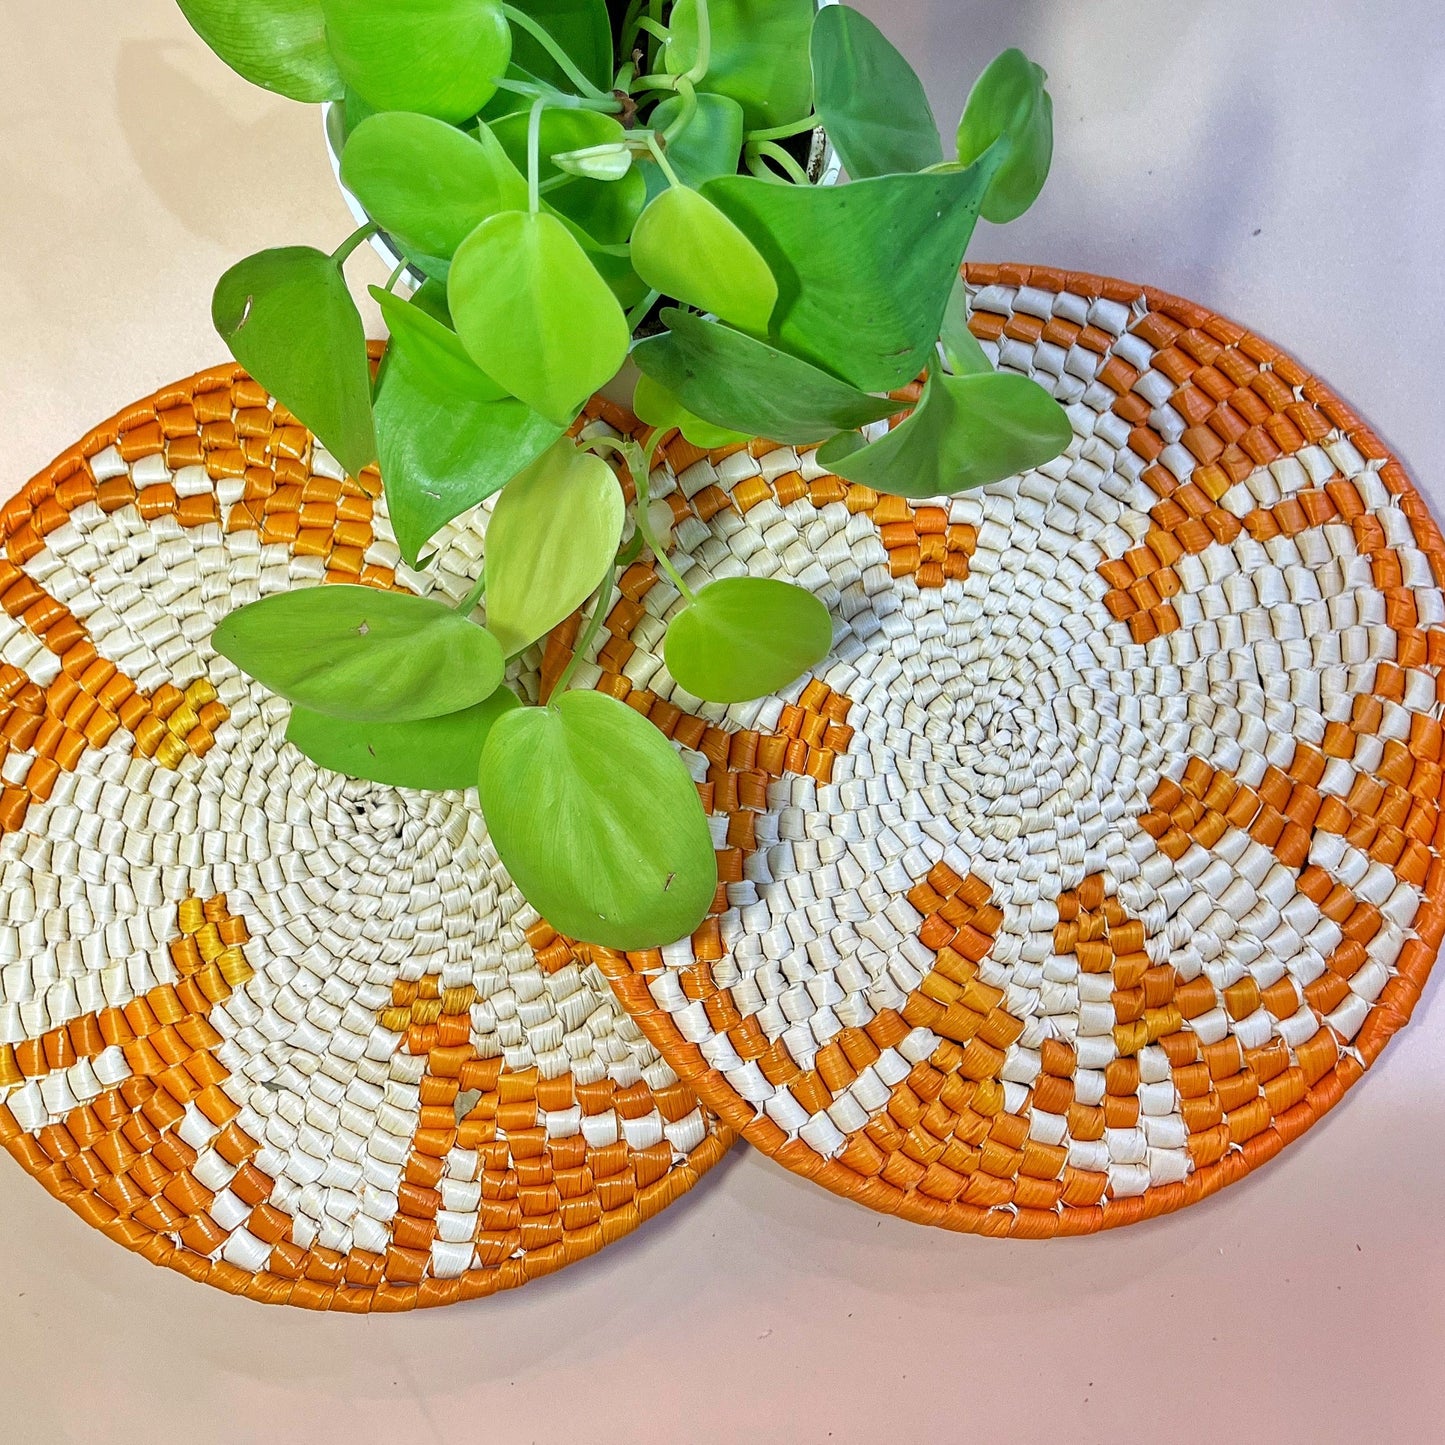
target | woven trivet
x=1103, y=855
x=293, y=1035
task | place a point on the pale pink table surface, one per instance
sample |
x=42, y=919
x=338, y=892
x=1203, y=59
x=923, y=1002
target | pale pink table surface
x=1284, y=164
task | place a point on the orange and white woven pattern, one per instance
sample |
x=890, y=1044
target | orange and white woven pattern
x=296, y=1036
x=1104, y=853
x=1091, y=868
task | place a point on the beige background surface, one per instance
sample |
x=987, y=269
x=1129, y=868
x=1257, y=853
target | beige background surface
x=1282, y=163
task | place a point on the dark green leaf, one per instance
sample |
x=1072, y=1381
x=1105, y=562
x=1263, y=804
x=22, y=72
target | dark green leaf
x=278, y=44
x=870, y=98
x=709, y=145
x=361, y=653
x=440, y=57
x=1008, y=101
x=551, y=538
x=534, y=314
x=654, y=404
x=434, y=347
x=758, y=57
x=746, y=637
x=599, y=823
x=746, y=385
x=426, y=183
x=432, y=753
x=582, y=28
x=686, y=248
x=445, y=447
x=863, y=270
x=290, y=321
x=967, y=431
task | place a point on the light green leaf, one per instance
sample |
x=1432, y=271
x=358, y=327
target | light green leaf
x=552, y=536
x=960, y=346
x=709, y=145
x=863, y=270
x=870, y=98
x=439, y=57
x=433, y=753
x=581, y=27
x=446, y=445
x=966, y=431
x=606, y=210
x=290, y=321
x=361, y=653
x=433, y=346
x=758, y=56
x=746, y=637
x=278, y=44
x=686, y=248
x=426, y=183
x=599, y=823
x=534, y=314
x=1008, y=102
x=654, y=404
x=734, y=381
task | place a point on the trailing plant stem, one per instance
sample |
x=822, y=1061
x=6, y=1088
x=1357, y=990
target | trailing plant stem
x=770, y=151
x=594, y=622
x=469, y=602
x=559, y=99
x=660, y=156
x=782, y=132
x=360, y=235
x=534, y=164
x=704, y=45
x=563, y=60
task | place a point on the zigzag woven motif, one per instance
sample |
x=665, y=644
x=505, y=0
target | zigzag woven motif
x=1108, y=853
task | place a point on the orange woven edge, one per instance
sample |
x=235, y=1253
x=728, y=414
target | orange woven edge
x=1387, y=1015
x=351, y=1287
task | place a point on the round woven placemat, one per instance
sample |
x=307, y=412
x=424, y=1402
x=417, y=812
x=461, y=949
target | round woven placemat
x=293, y=1035
x=1103, y=855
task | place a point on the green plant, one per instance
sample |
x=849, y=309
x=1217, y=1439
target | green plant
x=569, y=175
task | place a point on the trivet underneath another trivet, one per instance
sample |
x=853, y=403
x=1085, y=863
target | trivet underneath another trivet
x=1106, y=854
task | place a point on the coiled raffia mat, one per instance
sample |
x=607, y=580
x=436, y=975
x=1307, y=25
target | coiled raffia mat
x=1094, y=865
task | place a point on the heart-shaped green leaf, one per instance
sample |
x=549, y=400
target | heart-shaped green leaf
x=584, y=31
x=658, y=407
x=434, y=347
x=960, y=346
x=426, y=183
x=709, y=145
x=1009, y=102
x=278, y=44
x=863, y=270
x=361, y=653
x=432, y=753
x=758, y=55
x=734, y=381
x=746, y=637
x=534, y=314
x=606, y=210
x=599, y=823
x=440, y=57
x=290, y=321
x=444, y=448
x=870, y=98
x=686, y=248
x=966, y=431
x=552, y=536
